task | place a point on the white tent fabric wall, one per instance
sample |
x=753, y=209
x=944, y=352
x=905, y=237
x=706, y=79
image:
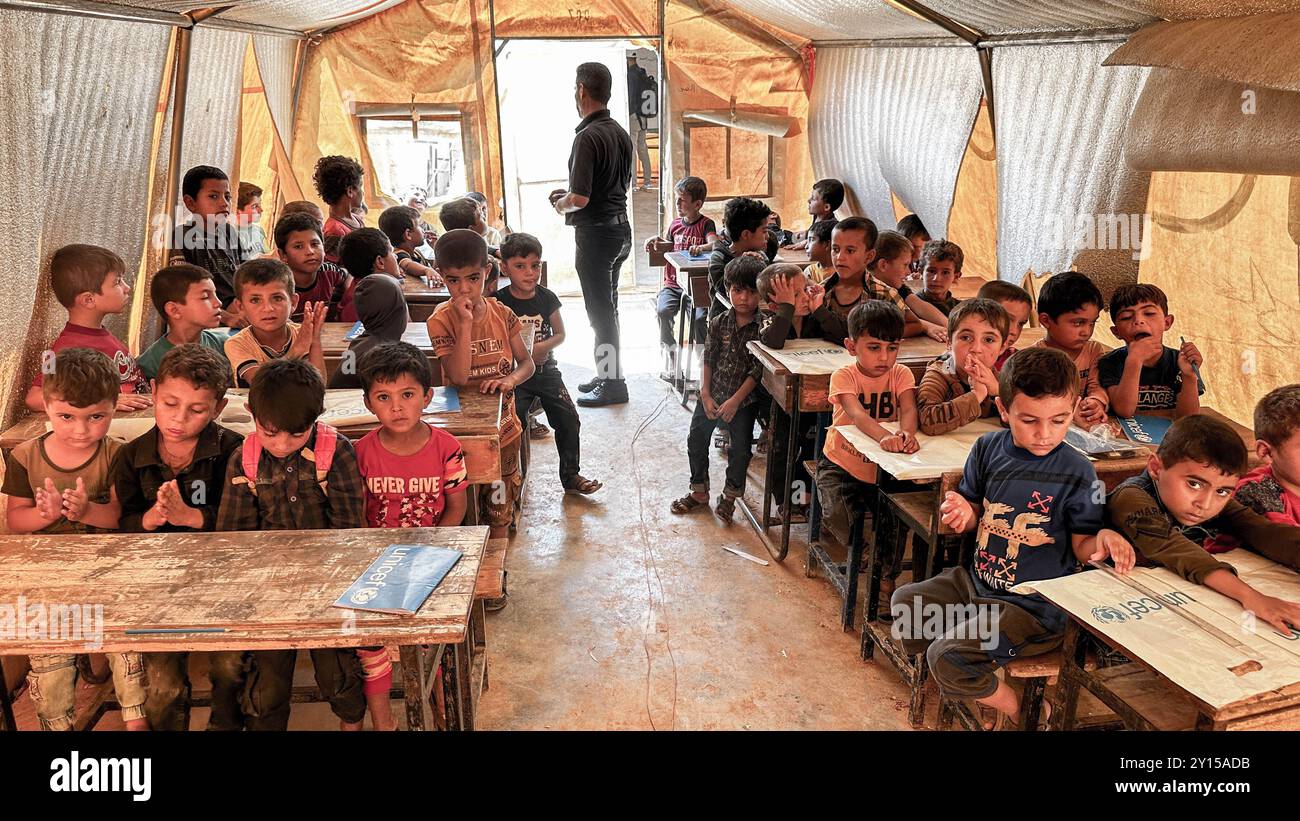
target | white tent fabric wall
x=869, y=108
x=275, y=62
x=212, y=106
x=83, y=127
x=1061, y=122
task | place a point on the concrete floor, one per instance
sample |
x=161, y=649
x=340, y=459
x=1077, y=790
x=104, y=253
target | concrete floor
x=624, y=616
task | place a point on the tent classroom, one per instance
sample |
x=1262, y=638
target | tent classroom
x=1155, y=141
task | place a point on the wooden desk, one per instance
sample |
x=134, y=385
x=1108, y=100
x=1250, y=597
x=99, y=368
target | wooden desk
x=333, y=344
x=476, y=426
x=421, y=298
x=793, y=393
x=696, y=294
x=263, y=590
x=1193, y=662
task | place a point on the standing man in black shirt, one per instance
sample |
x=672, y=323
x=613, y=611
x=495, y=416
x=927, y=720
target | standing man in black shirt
x=600, y=170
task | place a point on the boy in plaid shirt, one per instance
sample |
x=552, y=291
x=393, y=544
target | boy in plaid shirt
x=727, y=385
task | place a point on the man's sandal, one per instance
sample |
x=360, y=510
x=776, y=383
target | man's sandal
x=687, y=504
x=582, y=485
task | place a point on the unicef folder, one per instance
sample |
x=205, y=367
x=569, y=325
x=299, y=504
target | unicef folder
x=400, y=580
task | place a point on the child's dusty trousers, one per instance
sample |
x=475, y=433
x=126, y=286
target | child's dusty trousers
x=741, y=427
x=256, y=687
x=965, y=637
x=53, y=685
x=548, y=386
x=168, y=702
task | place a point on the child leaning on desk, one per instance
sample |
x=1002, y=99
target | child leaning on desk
x=1180, y=511
x=60, y=483
x=962, y=386
x=1033, y=499
x=873, y=389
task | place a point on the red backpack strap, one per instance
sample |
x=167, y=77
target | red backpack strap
x=250, y=457
x=327, y=439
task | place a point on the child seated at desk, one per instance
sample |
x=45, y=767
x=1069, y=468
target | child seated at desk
x=874, y=389
x=1033, y=499
x=825, y=199
x=265, y=288
x=61, y=482
x=208, y=238
x=745, y=221
x=414, y=475
x=961, y=386
x=1273, y=489
x=1068, y=307
x=539, y=309
x=940, y=267
x=1146, y=374
x=727, y=382
x=341, y=183
x=90, y=282
x=384, y=317
x=819, y=251
x=465, y=213
x=911, y=227
x=888, y=271
x=186, y=300
x=401, y=224
x=300, y=245
x=1180, y=511
x=691, y=231
x=481, y=345
x=170, y=480
x=292, y=473
x=1018, y=304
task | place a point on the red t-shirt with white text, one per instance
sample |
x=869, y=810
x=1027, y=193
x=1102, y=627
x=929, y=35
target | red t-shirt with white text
x=410, y=491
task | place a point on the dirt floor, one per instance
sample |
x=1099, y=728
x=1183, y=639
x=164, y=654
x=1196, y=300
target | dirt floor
x=624, y=616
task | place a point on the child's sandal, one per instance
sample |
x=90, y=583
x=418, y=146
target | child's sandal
x=687, y=504
x=726, y=508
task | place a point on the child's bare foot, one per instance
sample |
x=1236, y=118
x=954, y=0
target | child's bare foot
x=583, y=485
x=381, y=712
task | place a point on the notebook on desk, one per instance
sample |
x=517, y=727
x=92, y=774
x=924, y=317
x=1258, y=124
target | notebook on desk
x=400, y=580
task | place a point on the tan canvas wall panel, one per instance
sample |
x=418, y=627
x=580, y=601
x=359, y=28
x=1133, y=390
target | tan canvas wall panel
x=1224, y=249
x=1257, y=50
x=1232, y=128
x=576, y=18
x=973, y=220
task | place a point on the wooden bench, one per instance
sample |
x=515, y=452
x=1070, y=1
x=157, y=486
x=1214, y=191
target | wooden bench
x=1035, y=672
x=491, y=584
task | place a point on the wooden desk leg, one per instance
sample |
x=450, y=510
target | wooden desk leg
x=415, y=689
x=853, y=560
x=815, y=507
x=458, y=661
x=791, y=459
x=688, y=355
x=768, y=469
x=1073, y=653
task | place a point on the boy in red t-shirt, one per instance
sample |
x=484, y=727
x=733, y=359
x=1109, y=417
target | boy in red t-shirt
x=414, y=475
x=691, y=232
x=91, y=283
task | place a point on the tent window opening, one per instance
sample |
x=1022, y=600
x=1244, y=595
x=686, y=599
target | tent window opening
x=734, y=161
x=428, y=154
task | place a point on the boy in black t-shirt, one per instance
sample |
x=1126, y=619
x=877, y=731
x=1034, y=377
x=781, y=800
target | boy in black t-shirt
x=1146, y=374
x=539, y=308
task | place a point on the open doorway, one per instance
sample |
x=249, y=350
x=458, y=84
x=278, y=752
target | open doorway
x=538, y=118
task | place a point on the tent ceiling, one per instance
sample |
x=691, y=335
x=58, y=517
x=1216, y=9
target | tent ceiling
x=294, y=15
x=831, y=20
